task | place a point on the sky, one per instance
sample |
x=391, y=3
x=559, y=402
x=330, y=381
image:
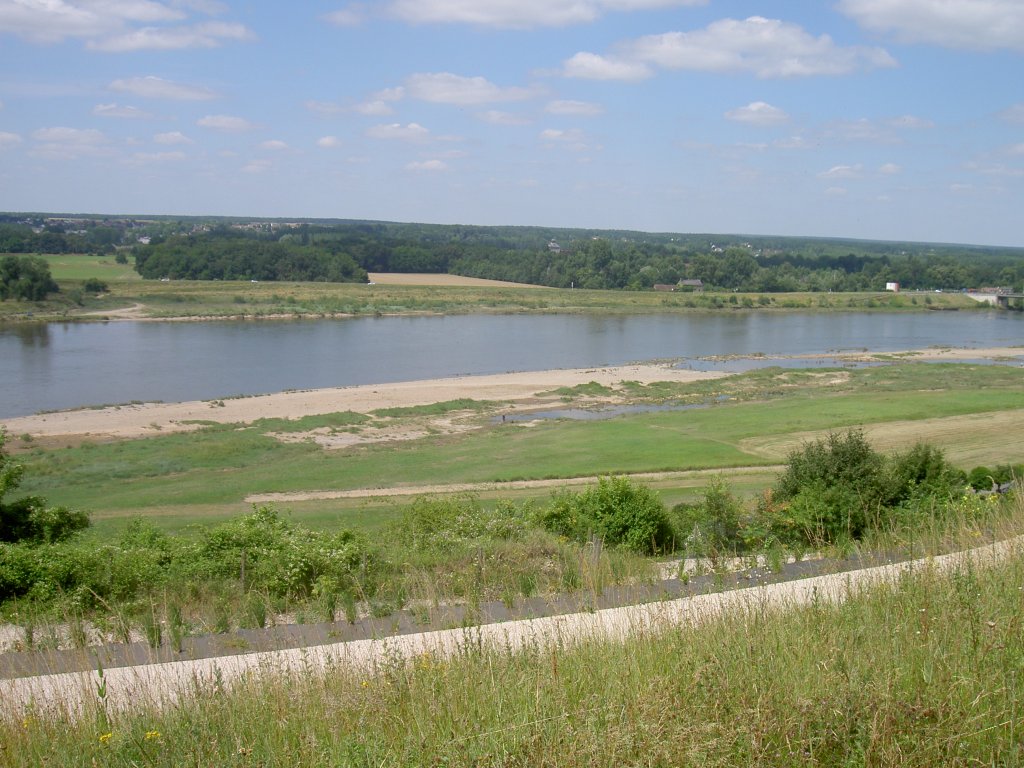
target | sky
x=876, y=119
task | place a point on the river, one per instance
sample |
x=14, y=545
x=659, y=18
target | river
x=56, y=366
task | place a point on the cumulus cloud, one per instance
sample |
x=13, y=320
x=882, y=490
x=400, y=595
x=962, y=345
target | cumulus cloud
x=225, y=123
x=427, y=165
x=69, y=143
x=256, y=166
x=447, y=88
x=149, y=158
x=118, y=25
x=325, y=108
x=116, y=110
x=352, y=16
x=1016, y=149
x=574, y=108
x=374, y=108
x=1013, y=114
x=157, y=88
x=497, y=117
x=841, y=172
x=172, y=137
x=890, y=169
x=397, y=131
x=328, y=142
x=911, y=121
x=965, y=24
x=208, y=35
x=766, y=48
x=275, y=145
x=8, y=139
x=591, y=66
x=520, y=14
x=758, y=113
x=52, y=21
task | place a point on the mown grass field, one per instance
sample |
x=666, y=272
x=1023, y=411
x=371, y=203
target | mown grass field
x=974, y=412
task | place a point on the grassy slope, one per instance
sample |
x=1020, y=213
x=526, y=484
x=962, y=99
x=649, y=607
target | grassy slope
x=925, y=673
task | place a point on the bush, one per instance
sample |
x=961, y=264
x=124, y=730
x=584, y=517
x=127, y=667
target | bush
x=94, y=285
x=619, y=511
x=446, y=523
x=713, y=524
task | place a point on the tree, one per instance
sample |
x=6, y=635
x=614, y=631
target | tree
x=28, y=518
x=25, y=277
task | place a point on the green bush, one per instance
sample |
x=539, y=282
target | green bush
x=619, y=511
x=452, y=522
x=713, y=524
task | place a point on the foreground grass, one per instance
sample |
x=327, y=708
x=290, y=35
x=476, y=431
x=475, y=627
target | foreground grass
x=923, y=673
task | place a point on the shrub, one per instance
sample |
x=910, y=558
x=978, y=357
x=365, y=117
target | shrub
x=713, y=524
x=621, y=512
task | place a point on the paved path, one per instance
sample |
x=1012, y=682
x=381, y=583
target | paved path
x=166, y=683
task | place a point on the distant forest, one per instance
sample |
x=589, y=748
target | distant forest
x=344, y=251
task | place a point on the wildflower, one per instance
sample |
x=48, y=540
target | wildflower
x=150, y=735
x=365, y=684
x=105, y=737
x=26, y=723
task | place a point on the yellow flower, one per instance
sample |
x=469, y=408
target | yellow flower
x=105, y=737
x=365, y=684
x=152, y=735
x=26, y=723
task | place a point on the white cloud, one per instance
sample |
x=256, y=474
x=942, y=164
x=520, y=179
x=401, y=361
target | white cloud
x=8, y=139
x=520, y=14
x=328, y=142
x=374, y=108
x=115, y=110
x=1013, y=113
x=836, y=191
x=226, y=123
x=758, y=113
x=352, y=16
x=62, y=135
x=148, y=158
x=967, y=24
x=860, y=130
x=842, y=172
x=446, y=88
x=572, y=138
x=763, y=47
x=911, y=121
x=497, y=117
x=1016, y=149
x=157, y=88
x=69, y=143
x=118, y=25
x=591, y=66
x=256, y=166
x=275, y=145
x=427, y=165
x=575, y=108
x=52, y=21
x=324, y=107
x=410, y=132
x=890, y=169
x=172, y=137
x=207, y=35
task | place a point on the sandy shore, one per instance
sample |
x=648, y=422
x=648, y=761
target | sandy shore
x=522, y=389
x=127, y=421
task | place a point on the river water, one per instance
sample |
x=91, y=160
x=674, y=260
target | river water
x=55, y=366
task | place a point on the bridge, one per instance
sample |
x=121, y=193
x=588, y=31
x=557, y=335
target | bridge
x=1006, y=300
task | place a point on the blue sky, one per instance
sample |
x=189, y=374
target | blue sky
x=882, y=119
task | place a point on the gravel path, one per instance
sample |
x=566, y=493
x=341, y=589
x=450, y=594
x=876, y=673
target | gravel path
x=168, y=682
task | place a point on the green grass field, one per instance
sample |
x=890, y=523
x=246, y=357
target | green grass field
x=202, y=476
x=268, y=299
